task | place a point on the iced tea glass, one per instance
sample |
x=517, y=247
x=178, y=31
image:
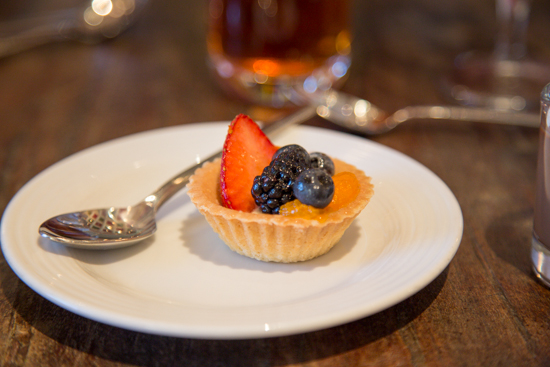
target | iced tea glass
x=264, y=51
x=540, y=245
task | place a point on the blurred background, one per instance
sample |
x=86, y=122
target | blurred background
x=59, y=98
x=399, y=49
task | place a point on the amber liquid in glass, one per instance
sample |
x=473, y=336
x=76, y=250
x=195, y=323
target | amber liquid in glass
x=276, y=42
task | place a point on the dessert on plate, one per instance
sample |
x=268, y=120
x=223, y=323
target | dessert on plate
x=277, y=204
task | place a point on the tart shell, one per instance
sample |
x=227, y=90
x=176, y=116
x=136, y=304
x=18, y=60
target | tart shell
x=268, y=237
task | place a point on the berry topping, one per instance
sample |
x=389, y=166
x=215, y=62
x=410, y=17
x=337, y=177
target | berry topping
x=323, y=161
x=246, y=152
x=273, y=187
x=346, y=190
x=314, y=187
x=298, y=153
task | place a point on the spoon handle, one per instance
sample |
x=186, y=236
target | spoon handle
x=166, y=191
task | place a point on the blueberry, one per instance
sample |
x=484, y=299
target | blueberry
x=321, y=160
x=314, y=187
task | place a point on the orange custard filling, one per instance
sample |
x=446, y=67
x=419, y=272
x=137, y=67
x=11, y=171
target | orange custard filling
x=346, y=189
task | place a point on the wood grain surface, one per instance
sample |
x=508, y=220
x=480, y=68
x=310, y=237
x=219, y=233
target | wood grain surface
x=485, y=309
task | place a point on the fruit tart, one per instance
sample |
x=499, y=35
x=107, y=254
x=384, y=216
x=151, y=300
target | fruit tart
x=277, y=204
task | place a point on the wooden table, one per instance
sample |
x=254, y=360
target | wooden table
x=485, y=309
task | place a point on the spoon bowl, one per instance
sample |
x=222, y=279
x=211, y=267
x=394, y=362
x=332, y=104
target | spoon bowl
x=102, y=228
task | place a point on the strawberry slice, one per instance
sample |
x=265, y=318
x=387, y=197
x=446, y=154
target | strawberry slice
x=246, y=152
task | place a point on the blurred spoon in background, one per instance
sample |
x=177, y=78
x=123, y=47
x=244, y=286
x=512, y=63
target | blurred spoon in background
x=92, y=22
x=362, y=116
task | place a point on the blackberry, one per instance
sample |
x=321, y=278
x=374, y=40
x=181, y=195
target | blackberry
x=273, y=187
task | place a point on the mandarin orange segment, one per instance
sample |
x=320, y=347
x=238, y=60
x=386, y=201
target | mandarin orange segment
x=296, y=209
x=346, y=189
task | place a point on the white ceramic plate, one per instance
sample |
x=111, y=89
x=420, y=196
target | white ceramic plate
x=185, y=282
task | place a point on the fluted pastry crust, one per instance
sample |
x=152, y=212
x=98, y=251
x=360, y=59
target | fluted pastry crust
x=268, y=237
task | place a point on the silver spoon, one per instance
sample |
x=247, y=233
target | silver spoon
x=90, y=23
x=362, y=116
x=117, y=227
x=109, y=228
